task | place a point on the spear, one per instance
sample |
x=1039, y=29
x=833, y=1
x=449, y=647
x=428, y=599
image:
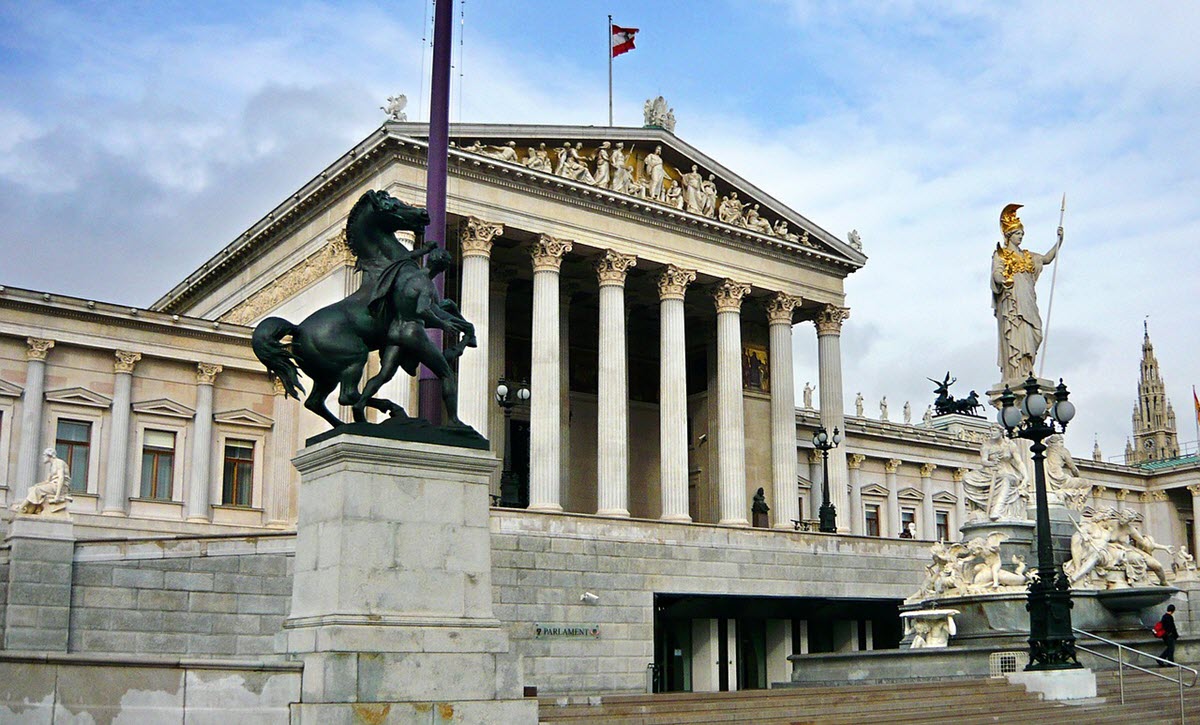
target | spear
x=1053, y=278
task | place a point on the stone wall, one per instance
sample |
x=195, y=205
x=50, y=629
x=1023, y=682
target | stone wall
x=217, y=597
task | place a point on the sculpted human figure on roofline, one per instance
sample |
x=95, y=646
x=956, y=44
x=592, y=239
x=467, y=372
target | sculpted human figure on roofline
x=1015, y=272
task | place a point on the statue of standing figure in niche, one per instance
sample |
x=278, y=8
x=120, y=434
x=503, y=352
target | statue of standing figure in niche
x=1015, y=273
x=51, y=495
x=999, y=491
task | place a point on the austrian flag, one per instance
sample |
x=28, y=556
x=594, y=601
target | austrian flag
x=622, y=40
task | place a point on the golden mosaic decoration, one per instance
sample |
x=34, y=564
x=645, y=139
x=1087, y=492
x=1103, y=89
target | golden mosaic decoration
x=1014, y=262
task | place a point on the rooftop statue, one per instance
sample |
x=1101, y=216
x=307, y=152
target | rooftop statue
x=395, y=108
x=946, y=403
x=51, y=495
x=1015, y=272
x=390, y=312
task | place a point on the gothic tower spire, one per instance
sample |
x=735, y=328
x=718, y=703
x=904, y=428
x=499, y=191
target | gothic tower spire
x=1154, y=436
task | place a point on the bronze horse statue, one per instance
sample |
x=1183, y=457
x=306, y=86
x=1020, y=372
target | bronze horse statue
x=390, y=312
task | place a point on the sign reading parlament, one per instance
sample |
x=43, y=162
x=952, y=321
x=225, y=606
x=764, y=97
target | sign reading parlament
x=547, y=631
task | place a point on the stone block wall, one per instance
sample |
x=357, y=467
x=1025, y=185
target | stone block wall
x=208, y=598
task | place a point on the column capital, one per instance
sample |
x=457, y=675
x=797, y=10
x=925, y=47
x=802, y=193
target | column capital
x=1194, y=488
x=475, y=236
x=959, y=473
x=1121, y=494
x=1099, y=491
x=206, y=373
x=891, y=464
x=729, y=294
x=277, y=387
x=830, y=318
x=612, y=267
x=814, y=456
x=780, y=307
x=673, y=282
x=38, y=348
x=1144, y=496
x=855, y=460
x=548, y=253
x=927, y=469
x=1160, y=496
x=125, y=361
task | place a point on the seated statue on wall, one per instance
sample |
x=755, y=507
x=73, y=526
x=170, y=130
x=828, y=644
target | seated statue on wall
x=1063, y=482
x=999, y=491
x=391, y=312
x=51, y=495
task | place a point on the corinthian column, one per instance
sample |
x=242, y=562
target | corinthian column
x=672, y=406
x=612, y=443
x=474, y=384
x=199, y=485
x=731, y=416
x=857, y=523
x=117, y=489
x=829, y=360
x=893, y=497
x=960, y=499
x=31, y=415
x=545, y=405
x=1194, y=544
x=783, y=411
x=928, y=518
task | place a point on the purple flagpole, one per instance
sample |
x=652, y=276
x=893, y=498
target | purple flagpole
x=435, y=184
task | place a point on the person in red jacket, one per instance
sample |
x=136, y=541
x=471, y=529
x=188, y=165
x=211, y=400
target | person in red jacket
x=1170, y=634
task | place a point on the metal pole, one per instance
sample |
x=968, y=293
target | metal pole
x=608, y=45
x=429, y=389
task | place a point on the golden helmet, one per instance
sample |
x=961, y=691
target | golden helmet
x=1009, y=220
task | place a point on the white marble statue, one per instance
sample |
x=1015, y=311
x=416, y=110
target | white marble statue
x=655, y=174
x=930, y=627
x=970, y=567
x=656, y=113
x=927, y=419
x=576, y=166
x=1015, y=272
x=1183, y=565
x=621, y=174
x=883, y=412
x=1109, y=551
x=561, y=157
x=507, y=152
x=854, y=239
x=603, y=175
x=693, y=194
x=907, y=413
x=755, y=223
x=669, y=121
x=808, y=393
x=1063, y=482
x=395, y=107
x=51, y=495
x=999, y=490
x=539, y=160
x=858, y=405
x=1096, y=454
x=674, y=197
x=708, y=190
x=730, y=210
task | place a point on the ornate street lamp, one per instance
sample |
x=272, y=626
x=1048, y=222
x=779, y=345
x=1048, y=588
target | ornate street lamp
x=508, y=396
x=1051, y=640
x=824, y=443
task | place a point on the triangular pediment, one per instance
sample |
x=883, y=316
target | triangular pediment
x=803, y=484
x=9, y=390
x=78, y=396
x=910, y=494
x=165, y=407
x=243, y=416
x=944, y=497
x=873, y=489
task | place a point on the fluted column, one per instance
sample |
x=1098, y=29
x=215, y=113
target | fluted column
x=474, y=383
x=829, y=360
x=816, y=475
x=117, y=489
x=566, y=294
x=854, y=462
x=200, y=485
x=32, y=402
x=672, y=406
x=928, y=519
x=612, y=422
x=1194, y=544
x=960, y=500
x=893, y=498
x=783, y=410
x=278, y=493
x=731, y=415
x=545, y=405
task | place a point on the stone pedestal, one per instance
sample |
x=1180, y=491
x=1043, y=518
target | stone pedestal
x=41, y=557
x=392, y=596
x=1076, y=684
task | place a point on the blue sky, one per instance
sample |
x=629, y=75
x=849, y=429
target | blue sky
x=138, y=138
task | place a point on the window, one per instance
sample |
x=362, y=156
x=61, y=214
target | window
x=907, y=516
x=872, y=519
x=73, y=444
x=942, y=519
x=238, y=479
x=158, y=464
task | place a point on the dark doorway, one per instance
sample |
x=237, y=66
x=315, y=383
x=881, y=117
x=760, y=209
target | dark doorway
x=519, y=430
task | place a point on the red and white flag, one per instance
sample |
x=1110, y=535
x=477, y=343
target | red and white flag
x=622, y=40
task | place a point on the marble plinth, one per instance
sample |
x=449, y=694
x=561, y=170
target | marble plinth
x=392, y=596
x=1076, y=684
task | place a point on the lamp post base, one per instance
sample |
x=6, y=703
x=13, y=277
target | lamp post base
x=1051, y=641
x=828, y=519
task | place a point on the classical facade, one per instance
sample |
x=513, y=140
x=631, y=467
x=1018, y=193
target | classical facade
x=651, y=299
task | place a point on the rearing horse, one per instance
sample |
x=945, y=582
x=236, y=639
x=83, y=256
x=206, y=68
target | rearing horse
x=389, y=312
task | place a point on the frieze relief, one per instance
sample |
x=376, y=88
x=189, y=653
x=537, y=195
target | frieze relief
x=333, y=255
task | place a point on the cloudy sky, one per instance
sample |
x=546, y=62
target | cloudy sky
x=137, y=138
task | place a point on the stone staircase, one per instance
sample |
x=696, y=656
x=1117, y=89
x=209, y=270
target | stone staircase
x=1148, y=701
